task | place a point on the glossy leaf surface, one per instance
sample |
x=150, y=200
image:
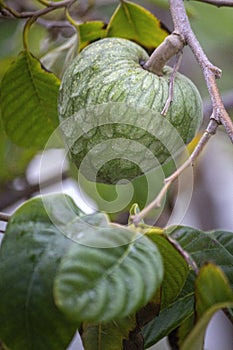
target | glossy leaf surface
x=109, y=276
x=214, y=246
x=30, y=254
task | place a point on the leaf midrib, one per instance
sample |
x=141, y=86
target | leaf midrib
x=41, y=105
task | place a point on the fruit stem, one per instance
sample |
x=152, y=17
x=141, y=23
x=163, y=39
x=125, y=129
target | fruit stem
x=172, y=44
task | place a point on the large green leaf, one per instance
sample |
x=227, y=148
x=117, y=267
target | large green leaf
x=214, y=246
x=176, y=268
x=202, y=247
x=212, y=292
x=29, y=256
x=29, y=102
x=107, y=336
x=133, y=22
x=171, y=316
x=109, y=275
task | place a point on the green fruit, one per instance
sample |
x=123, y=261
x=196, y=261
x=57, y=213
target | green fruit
x=111, y=107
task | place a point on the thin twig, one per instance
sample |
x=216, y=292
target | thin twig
x=210, y=72
x=171, y=83
x=52, y=6
x=156, y=203
x=4, y=217
x=218, y=3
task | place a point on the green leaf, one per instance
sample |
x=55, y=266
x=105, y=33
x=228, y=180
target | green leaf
x=90, y=31
x=29, y=102
x=175, y=267
x=212, y=293
x=203, y=246
x=109, y=275
x=133, y=22
x=4, y=64
x=212, y=287
x=214, y=246
x=29, y=256
x=171, y=316
x=107, y=336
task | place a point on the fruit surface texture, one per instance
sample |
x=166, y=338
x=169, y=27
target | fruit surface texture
x=110, y=112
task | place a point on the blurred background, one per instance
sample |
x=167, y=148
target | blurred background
x=211, y=207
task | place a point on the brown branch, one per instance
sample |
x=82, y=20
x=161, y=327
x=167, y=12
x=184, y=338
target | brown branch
x=218, y=3
x=172, y=44
x=35, y=14
x=156, y=203
x=210, y=72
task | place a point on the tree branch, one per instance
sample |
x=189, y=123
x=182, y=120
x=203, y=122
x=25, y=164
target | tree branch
x=51, y=6
x=210, y=72
x=218, y=3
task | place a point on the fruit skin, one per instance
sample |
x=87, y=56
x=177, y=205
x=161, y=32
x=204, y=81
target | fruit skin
x=107, y=71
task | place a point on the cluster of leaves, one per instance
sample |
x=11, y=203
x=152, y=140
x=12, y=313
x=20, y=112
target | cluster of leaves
x=62, y=270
